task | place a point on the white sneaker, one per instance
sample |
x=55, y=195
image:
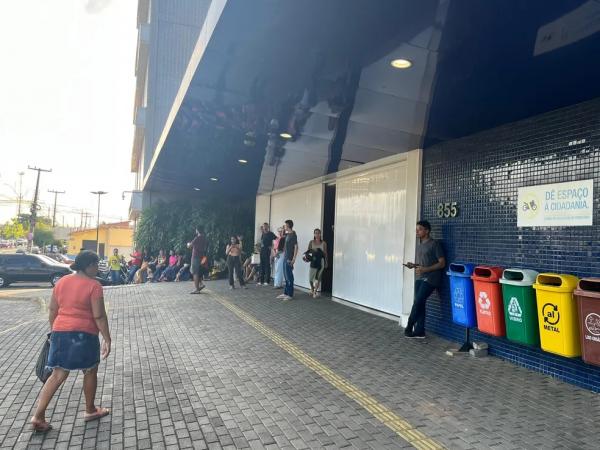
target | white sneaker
x=286, y=298
x=281, y=296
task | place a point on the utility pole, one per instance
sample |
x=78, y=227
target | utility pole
x=20, y=198
x=54, y=213
x=86, y=216
x=34, y=205
x=99, y=194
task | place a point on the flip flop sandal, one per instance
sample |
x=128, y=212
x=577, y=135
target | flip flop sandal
x=41, y=427
x=100, y=412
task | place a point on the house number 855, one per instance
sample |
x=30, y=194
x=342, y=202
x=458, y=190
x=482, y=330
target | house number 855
x=447, y=209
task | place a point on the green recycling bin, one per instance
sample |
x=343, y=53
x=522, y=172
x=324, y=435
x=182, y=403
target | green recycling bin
x=520, y=308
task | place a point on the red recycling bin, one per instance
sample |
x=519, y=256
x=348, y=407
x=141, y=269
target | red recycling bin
x=488, y=300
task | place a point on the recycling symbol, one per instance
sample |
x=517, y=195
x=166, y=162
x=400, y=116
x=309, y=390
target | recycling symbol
x=484, y=301
x=592, y=323
x=551, y=313
x=514, y=309
x=459, y=299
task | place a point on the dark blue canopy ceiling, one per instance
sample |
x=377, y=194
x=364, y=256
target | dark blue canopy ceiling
x=319, y=70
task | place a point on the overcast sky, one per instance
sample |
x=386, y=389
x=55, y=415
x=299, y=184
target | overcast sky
x=66, y=100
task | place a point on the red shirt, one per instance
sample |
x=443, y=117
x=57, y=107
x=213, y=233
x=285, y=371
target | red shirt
x=198, y=246
x=137, y=259
x=74, y=295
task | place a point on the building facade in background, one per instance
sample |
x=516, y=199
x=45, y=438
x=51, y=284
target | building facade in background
x=361, y=118
x=167, y=35
x=117, y=235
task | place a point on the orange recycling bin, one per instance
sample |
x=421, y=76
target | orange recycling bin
x=488, y=300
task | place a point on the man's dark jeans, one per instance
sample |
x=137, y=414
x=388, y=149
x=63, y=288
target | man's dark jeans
x=265, y=265
x=289, y=279
x=417, y=315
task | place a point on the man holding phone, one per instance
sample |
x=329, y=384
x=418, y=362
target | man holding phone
x=429, y=269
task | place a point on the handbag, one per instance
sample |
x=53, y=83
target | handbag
x=255, y=258
x=42, y=372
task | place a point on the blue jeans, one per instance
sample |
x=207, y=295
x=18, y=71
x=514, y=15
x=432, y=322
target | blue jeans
x=114, y=277
x=132, y=270
x=288, y=273
x=157, y=273
x=417, y=315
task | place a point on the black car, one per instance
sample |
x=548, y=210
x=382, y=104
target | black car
x=28, y=267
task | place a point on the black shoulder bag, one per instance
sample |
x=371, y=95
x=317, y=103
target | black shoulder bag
x=41, y=371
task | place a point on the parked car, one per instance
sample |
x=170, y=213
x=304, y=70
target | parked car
x=32, y=268
x=59, y=257
x=4, y=243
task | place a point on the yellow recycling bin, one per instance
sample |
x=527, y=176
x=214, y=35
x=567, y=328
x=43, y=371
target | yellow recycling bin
x=557, y=314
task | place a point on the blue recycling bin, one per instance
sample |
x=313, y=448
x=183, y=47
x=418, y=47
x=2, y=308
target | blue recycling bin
x=461, y=294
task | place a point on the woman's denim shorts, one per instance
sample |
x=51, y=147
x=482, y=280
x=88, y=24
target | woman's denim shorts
x=74, y=350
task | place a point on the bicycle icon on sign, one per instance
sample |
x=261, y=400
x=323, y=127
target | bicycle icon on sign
x=532, y=205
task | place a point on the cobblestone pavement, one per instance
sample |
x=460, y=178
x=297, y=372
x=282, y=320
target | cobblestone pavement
x=239, y=369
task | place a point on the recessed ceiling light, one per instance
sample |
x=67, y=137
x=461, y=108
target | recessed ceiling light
x=286, y=135
x=214, y=179
x=196, y=189
x=401, y=63
x=242, y=161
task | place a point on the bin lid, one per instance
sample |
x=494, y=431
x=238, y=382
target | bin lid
x=456, y=269
x=491, y=274
x=519, y=277
x=556, y=282
x=589, y=287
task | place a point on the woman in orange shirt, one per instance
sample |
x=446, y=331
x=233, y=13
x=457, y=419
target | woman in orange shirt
x=77, y=315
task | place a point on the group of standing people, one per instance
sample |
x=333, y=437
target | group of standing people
x=278, y=254
x=281, y=250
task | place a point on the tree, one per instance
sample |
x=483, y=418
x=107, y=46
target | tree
x=43, y=235
x=13, y=230
x=169, y=226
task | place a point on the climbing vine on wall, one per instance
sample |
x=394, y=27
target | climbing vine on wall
x=170, y=226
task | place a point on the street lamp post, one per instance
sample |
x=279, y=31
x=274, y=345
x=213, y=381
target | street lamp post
x=99, y=194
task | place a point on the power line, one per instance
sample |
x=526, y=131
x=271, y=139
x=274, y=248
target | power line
x=54, y=213
x=99, y=194
x=34, y=205
x=20, y=193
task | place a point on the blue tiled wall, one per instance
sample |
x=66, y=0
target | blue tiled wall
x=482, y=173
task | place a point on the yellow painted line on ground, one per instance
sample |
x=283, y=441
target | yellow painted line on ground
x=388, y=417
